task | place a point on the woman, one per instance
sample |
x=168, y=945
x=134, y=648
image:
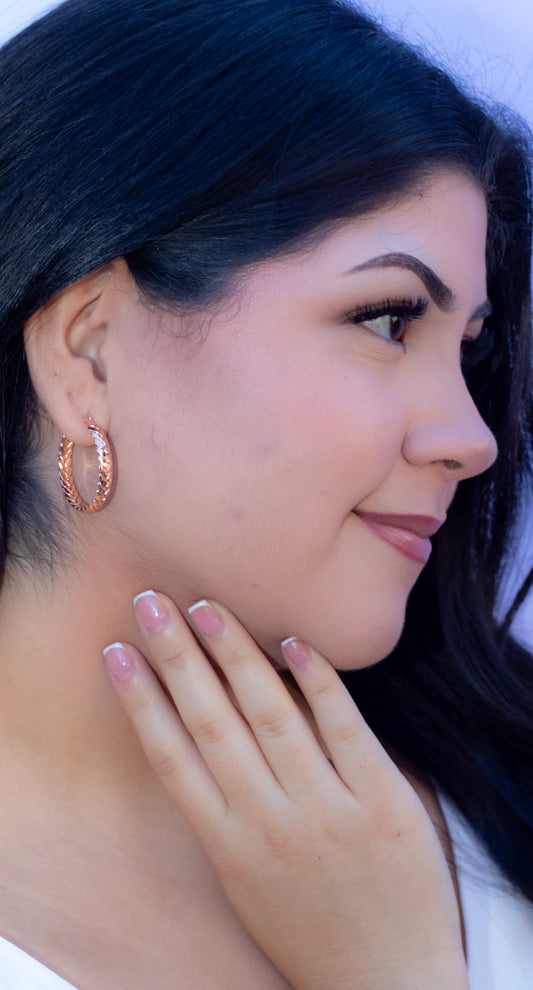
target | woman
x=277, y=268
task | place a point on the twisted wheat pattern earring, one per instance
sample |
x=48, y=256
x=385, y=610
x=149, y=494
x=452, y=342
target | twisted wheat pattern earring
x=105, y=470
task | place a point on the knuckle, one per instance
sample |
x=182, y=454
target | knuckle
x=162, y=760
x=322, y=691
x=271, y=723
x=174, y=660
x=344, y=733
x=280, y=843
x=237, y=657
x=349, y=729
x=208, y=728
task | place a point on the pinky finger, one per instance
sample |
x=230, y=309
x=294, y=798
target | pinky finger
x=168, y=746
x=357, y=755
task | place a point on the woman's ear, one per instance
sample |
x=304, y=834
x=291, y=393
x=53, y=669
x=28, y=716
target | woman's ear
x=66, y=351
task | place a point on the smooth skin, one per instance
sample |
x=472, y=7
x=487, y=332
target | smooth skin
x=247, y=438
x=247, y=434
x=307, y=848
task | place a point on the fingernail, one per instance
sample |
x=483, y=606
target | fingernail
x=119, y=662
x=206, y=618
x=296, y=652
x=151, y=612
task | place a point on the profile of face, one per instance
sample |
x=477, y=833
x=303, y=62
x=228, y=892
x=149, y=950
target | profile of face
x=266, y=447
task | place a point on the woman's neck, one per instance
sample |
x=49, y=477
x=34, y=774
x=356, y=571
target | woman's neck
x=102, y=879
x=62, y=731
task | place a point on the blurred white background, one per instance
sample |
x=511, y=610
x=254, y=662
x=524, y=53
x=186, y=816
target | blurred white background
x=487, y=45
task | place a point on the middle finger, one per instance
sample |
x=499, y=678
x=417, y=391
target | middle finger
x=281, y=729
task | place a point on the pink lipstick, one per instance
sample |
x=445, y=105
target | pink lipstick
x=408, y=534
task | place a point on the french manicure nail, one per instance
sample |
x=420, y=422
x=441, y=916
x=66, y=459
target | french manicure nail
x=206, y=618
x=151, y=612
x=296, y=652
x=119, y=662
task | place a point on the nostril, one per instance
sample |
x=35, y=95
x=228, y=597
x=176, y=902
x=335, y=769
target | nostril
x=452, y=465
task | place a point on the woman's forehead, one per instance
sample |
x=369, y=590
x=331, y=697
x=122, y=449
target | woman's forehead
x=436, y=232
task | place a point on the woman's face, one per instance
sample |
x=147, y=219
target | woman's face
x=264, y=460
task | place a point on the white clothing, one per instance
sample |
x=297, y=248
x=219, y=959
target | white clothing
x=498, y=924
x=19, y=971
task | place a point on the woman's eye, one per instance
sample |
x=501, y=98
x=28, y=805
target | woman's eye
x=390, y=318
x=389, y=326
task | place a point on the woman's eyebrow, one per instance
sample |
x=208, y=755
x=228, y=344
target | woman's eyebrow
x=442, y=296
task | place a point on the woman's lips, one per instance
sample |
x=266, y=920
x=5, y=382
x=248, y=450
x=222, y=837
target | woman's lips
x=408, y=534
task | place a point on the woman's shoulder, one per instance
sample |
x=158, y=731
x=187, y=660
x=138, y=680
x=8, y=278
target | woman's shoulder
x=19, y=971
x=498, y=921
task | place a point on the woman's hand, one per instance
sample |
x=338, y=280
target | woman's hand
x=332, y=864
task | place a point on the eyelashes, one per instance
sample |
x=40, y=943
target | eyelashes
x=398, y=312
x=391, y=317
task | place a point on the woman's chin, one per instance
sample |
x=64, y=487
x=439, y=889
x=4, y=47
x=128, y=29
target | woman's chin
x=350, y=653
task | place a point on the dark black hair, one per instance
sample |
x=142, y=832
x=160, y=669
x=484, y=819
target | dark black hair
x=193, y=137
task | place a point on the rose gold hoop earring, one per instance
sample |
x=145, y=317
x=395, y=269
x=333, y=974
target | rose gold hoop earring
x=105, y=470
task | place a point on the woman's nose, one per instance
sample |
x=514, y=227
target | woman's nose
x=449, y=430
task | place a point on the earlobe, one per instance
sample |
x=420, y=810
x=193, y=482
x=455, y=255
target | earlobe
x=65, y=348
